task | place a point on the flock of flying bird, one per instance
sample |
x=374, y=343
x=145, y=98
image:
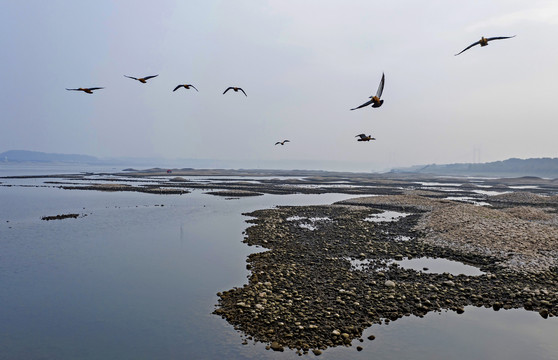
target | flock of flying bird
x=374, y=101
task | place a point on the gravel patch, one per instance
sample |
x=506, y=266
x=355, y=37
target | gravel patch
x=305, y=294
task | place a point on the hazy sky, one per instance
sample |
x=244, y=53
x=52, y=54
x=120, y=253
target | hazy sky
x=303, y=64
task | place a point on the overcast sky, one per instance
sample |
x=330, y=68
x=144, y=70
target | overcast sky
x=303, y=64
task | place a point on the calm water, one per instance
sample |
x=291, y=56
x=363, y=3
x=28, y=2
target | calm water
x=137, y=280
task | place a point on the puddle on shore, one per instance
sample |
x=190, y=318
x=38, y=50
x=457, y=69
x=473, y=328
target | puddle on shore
x=467, y=199
x=308, y=223
x=359, y=265
x=490, y=192
x=387, y=216
x=423, y=183
x=439, y=266
x=424, y=264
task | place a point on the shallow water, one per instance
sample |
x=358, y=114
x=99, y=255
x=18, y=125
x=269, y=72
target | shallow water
x=439, y=266
x=386, y=216
x=468, y=199
x=310, y=223
x=137, y=277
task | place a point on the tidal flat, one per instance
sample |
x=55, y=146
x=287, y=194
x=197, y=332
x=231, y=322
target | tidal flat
x=320, y=277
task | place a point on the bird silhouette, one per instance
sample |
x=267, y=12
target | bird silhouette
x=86, y=90
x=282, y=142
x=142, y=80
x=185, y=86
x=484, y=41
x=364, y=137
x=235, y=89
x=375, y=99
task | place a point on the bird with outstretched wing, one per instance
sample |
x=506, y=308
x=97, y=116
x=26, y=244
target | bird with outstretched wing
x=185, y=86
x=236, y=89
x=375, y=99
x=484, y=41
x=142, y=80
x=86, y=90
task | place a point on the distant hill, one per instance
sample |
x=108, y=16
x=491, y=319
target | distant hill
x=36, y=156
x=541, y=167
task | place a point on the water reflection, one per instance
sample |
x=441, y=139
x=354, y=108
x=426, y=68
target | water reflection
x=440, y=266
x=478, y=333
x=124, y=283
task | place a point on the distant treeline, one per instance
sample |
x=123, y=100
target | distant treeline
x=542, y=167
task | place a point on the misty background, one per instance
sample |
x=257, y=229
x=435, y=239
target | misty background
x=303, y=65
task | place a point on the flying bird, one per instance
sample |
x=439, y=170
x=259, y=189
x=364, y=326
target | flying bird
x=86, y=90
x=375, y=100
x=364, y=137
x=282, y=142
x=235, y=89
x=185, y=86
x=484, y=41
x=142, y=80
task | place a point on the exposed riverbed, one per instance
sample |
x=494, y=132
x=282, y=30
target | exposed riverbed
x=323, y=276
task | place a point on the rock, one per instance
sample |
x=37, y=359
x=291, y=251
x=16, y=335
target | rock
x=371, y=337
x=449, y=283
x=389, y=284
x=317, y=352
x=544, y=313
x=336, y=332
x=275, y=346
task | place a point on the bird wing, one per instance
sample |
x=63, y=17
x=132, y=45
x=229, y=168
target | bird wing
x=242, y=91
x=72, y=89
x=149, y=77
x=193, y=87
x=363, y=105
x=131, y=77
x=499, y=38
x=230, y=87
x=278, y=142
x=96, y=88
x=468, y=47
x=381, y=86
x=178, y=87
x=286, y=141
x=362, y=136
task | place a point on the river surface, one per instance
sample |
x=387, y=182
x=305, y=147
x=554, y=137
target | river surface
x=136, y=277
